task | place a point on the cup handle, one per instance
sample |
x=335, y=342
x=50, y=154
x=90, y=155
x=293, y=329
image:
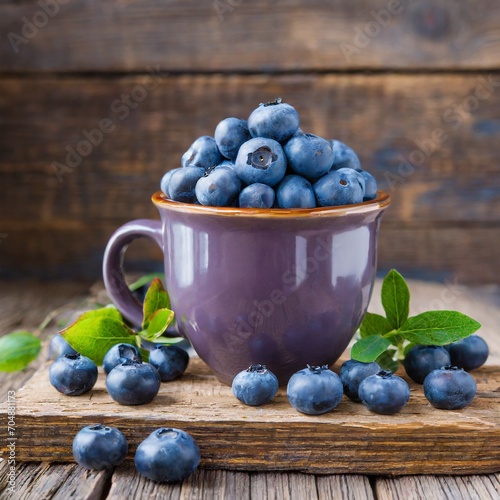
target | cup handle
x=112, y=267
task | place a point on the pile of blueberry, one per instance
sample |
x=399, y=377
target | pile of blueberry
x=268, y=162
x=316, y=389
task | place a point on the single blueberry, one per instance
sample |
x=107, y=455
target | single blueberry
x=449, y=388
x=230, y=134
x=422, y=359
x=73, y=374
x=257, y=196
x=370, y=185
x=295, y=191
x=261, y=160
x=255, y=386
x=99, y=447
x=353, y=372
x=167, y=455
x=59, y=346
x=339, y=187
x=118, y=354
x=344, y=156
x=182, y=184
x=165, y=181
x=309, y=155
x=314, y=390
x=469, y=353
x=384, y=393
x=203, y=153
x=219, y=187
x=274, y=120
x=133, y=383
x=170, y=361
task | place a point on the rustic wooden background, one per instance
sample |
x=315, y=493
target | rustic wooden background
x=413, y=86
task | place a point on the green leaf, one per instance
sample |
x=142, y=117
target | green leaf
x=144, y=280
x=17, y=350
x=104, y=312
x=158, y=322
x=156, y=298
x=395, y=299
x=93, y=336
x=369, y=348
x=374, y=324
x=438, y=327
x=387, y=360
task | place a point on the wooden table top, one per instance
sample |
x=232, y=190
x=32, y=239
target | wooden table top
x=24, y=305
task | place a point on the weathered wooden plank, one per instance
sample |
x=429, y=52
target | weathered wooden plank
x=484, y=487
x=217, y=484
x=248, y=36
x=279, y=486
x=344, y=486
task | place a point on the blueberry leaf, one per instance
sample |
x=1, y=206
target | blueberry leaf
x=158, y=322
x=104, y=312
x=17, y=350
x=387, y=360
x=144, y=280
x=438, y=327
x=369, y=348
x=156, y=298
x=395, y=299
x=374, y=324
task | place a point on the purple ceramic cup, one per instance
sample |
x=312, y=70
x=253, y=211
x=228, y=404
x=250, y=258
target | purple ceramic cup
x=284, y=288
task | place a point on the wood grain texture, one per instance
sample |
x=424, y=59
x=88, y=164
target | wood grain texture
x=250, y=36
x=59, y=229
x=344, y=486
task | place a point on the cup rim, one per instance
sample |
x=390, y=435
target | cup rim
x=380, y=202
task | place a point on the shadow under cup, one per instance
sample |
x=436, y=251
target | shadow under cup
x=284, y=288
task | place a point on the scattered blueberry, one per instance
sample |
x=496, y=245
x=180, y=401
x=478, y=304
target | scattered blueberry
x=165, y=181
x=274, y=120
x=295, y=191
x=218, y=187
x=59, y=346
x=353, y=372
x=370, y=185
x=309, y=155
x=344, y=156
x=261, y=160
x=314, y=390
x=257, y=196
x=170, y=361
x=203, y=153
x=384, y=393
x=118, y=354
x=339, y=187
x=133, y=382
x=167, y=455
x=73, y=374
x=182, y=184
x=469, y=353
x=422, y=359
x=449, y=388
x=230, y=134
x=99, y=447
x=255, y=386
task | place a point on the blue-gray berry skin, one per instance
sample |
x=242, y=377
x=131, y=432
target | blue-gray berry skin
x=59, y=347
x=73, y=374
x=170, y=361
x=274, y=120
x=118, y=354
x=182, y=184
x=449, y=388
x=219, y=187
x=314, y=390
x=167, y=455
x=339, y=187
x=99, y=447
x=295, y=191
x=257, y=196
x=261, y=160
x=203, y=153
x=422, y=359
x=344, y=156
x=352, y=373
x=384, y=393
x=309, y=155
x=133, y=383
x=229, y=135
x=370, y=185
x=255, y=386
x=165, y=181
x=469, y=353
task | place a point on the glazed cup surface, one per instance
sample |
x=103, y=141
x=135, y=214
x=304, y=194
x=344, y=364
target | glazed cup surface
x=284, y=288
